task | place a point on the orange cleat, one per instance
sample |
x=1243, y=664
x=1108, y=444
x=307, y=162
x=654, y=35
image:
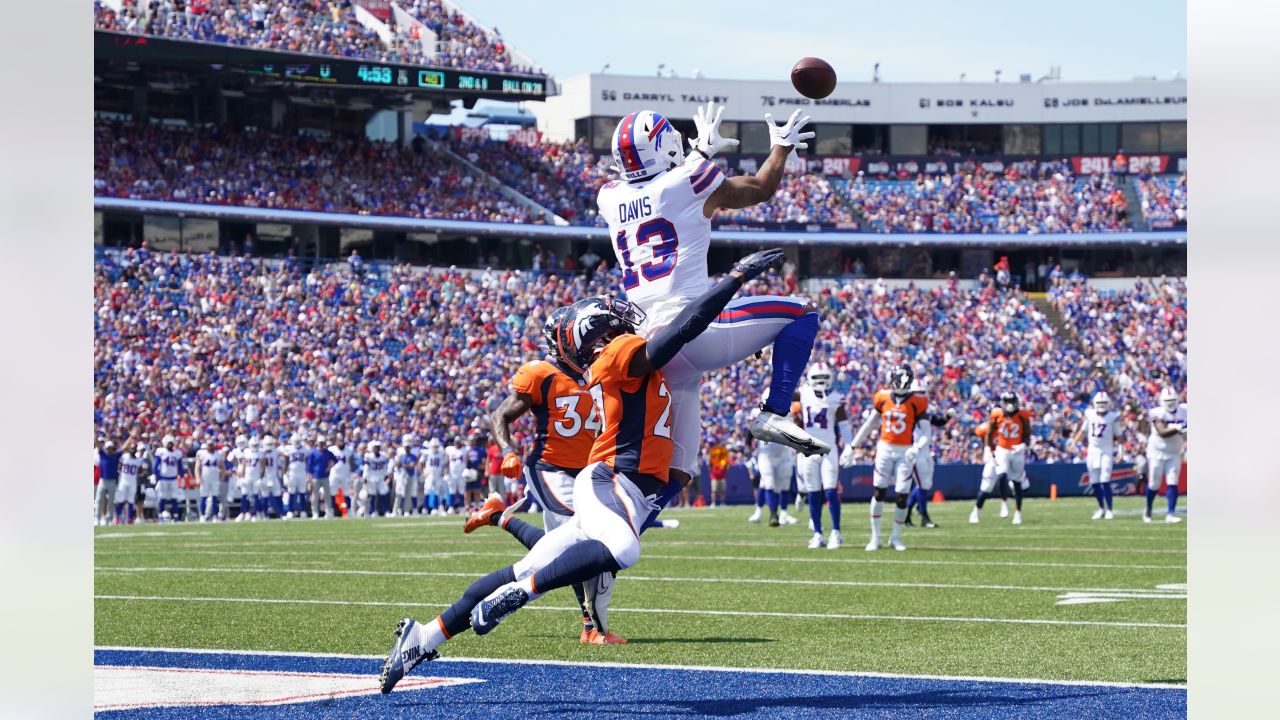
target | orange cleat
x=481, y=517
x=596, y=638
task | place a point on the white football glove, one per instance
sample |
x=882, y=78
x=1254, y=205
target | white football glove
x=846, y=456
x=707, y=122
x=910, y=456
x=788, y=134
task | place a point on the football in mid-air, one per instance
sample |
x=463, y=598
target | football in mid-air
x=813, y=77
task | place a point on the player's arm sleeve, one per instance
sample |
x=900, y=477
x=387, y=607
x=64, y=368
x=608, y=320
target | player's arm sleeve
x=691, y=321
x=873, y=419
x=705, y=178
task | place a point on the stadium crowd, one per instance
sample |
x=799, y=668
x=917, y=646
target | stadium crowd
x=223, y=166
x=1054, y=201
x=316, y=27
x=1139, y=335
x=335, y=174
x=1164, y=200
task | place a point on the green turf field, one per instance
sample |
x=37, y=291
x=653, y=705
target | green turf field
x=969, y=600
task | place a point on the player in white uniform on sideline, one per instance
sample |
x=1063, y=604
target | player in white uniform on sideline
x=659, y=216
x=406, y=477
x=922, y=474
x=251, y=505
x=775, y=463
x=433, y=476
x=1165, y=446
x=168, y=466
x=1101, y=425
x=455, y=457
x=376, y=466
x=235, y=471
x=822, y=413
x=131, y=464
x=295, y=453
x=270, y=487
x=209, y=461
x=340, y=474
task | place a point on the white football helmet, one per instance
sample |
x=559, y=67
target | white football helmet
x=168, y=439
x=646, y=145
x=1169, y=398
x=407, y=440
x=241, y=441
x=375, y=445
x=1101, y=401
x=253, y=443
x=819, y=377
x=434, y=444
x=268, y=443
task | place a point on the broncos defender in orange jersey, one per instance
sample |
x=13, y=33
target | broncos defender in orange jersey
x=565, y=427
x=1007, y=437
x=626, y=478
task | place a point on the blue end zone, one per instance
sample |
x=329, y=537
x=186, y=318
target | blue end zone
x=558, y=692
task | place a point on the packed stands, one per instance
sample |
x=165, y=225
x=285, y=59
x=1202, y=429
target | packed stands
x=808, y=199
x=983, y=202
x=316, y=28
x=1140, y=335
x=562, y=177
x=1164, y=200
x=381, y=353
x=334, y=174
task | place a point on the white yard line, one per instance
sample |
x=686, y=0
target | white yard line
x=1135, y=592
x=649, y=666
x=657, y=611
x=884, y=558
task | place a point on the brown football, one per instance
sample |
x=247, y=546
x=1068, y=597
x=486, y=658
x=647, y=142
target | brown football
x=813, y=78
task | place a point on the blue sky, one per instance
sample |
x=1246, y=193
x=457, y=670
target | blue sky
x=913, y=40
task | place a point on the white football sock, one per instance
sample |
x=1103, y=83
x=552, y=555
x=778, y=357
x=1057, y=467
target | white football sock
x=877, y=509
x=899, y=517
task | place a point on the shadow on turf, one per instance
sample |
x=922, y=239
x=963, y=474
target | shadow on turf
x=725, y=707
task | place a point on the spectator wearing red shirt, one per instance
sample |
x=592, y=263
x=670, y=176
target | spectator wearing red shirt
x=493, y=467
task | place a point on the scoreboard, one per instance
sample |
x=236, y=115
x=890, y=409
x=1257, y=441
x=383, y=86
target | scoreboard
x=316, y=69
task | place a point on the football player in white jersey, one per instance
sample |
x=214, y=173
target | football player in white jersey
x=209, y=461
x=406, y=476
x=822, y=413
x=1101, y=425
x=168, y=466
x=340, y=475
x=1165, y=446
x=922, y=475
x=455, y=457
x=433, y=472
x=250, y=503
x=659, y=216
x=775, y=463
x=131, y=464
x=270, y=487
x=295, y=454
x=376, y=466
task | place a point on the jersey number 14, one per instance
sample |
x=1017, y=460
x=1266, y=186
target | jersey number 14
x=664, y=252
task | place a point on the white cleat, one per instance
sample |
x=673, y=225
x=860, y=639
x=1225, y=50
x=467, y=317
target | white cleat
x=816, y=541
x=1097, y=515
x=1109, y=516
x=670, y=524
x=1004, y=509
x=1171, y=518
x=1017, y=517
x=835, y=540
x=768, y=427
x=755, y=516
x=1146, y=517
x=973, y=516
x=873, y=546
x=897, y=544
x=786, y=518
